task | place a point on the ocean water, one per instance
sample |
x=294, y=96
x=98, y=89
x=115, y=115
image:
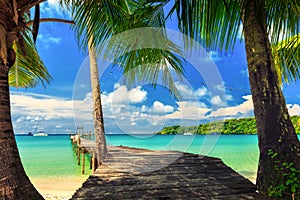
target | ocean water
x=51, y=164
x=51, y=159
x=47, y=156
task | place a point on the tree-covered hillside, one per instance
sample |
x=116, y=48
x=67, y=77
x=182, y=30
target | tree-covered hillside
x=229, y=126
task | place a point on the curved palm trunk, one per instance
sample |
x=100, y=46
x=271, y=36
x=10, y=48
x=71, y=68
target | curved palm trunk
x=97, y=109
x=274, y=127
x=14, y=183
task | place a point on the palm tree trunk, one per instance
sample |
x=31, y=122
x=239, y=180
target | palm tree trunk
x=97, y=108
x=14, y=183
x=276, y=133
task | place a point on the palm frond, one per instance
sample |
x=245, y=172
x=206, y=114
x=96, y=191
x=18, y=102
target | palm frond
x=215, y=24
x=96, y=20
x=282, y=19
x=99, y=21
x=287, y=59
x=28, y=70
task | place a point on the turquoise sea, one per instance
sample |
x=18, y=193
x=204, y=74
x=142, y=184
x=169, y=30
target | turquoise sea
x=51, y=159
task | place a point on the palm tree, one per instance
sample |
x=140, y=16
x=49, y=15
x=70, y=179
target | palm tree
x=99, y=132
x=216, y=24
x=114, y=17
x=14, y=183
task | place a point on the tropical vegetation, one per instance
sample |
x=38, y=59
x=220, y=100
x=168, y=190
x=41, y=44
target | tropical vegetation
x=28, y=70
x=241, y=126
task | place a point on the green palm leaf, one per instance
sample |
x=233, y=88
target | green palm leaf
x=102, y=20
x=287, y=59
x=216, y=25
x=28, y=70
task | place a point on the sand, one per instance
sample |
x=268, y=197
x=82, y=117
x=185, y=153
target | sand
x=58, y=188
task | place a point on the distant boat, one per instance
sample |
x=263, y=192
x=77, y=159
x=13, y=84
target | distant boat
x=30, y=134
x=40, y=133
x=189, y=133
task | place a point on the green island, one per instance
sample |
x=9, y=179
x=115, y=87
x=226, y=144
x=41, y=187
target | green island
x=241, y=126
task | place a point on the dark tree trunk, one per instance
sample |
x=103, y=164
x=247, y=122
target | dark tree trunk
x=275, y=130
x=14, y=183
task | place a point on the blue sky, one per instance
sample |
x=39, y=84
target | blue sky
x=66, y=102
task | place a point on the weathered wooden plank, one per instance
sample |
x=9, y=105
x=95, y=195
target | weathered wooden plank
x=144, y=174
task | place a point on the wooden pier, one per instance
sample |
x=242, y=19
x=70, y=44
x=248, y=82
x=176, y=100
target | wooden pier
x=82, y=146
x=130, y=173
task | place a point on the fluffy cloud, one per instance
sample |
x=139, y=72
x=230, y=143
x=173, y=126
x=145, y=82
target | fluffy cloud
x=188, y=93
x=122, y=95
x=40, y=106
x=157, y=107
x=160, y=107
x=189, y=110
x=216, y=100
x=243, y=109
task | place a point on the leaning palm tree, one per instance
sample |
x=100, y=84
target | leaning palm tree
x=101, y=149
x=216, y=24
x=23, y=71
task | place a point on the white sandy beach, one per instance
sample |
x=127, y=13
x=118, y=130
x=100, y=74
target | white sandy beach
x=58, y=188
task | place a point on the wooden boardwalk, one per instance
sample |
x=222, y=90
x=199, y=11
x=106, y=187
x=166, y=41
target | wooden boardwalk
x=130, y=173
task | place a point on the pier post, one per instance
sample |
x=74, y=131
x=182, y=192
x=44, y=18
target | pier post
x=83, y=161
x=78, y=155
x=91, y=161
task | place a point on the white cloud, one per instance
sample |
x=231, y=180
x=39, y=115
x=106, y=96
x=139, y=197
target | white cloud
x=212, y=56
x=159, y=107
x=51, y=8
x=293, y=109
x=217, y=101
x=36, y=107
x=144, y=108
x=123, y=95
x=228, y=97
x=189, y=110
x=185, y=91
x=243, y=109
x=54, y=4
x=200, y=92
x=55, y=40
x=188, y=93
x=47, y=40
